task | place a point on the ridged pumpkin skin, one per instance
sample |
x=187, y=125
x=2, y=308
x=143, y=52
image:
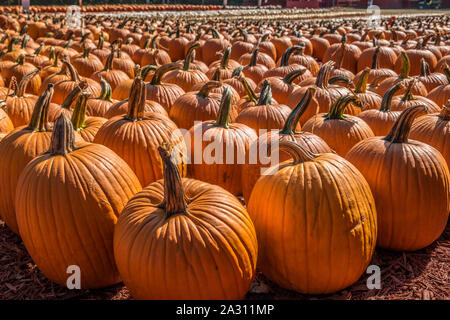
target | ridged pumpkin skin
x=412, y=212
x=315, y=221
x=67, y=206
x=208, y=251
x=6, y=124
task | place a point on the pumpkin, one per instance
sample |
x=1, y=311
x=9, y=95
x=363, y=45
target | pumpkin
x=98, y=107
x=376, y=73
x=17, y=149
x=122, y=90
x=6, y=125
x=86, y=184
x=287, y=206
x=253, y=170
x=176, y=45
x=320, y=45
x=164, y=93
x=253, y=70
x=212, y=46
x=281, y=44
x=215, y=265
x=154, y=56
x=409, y=100
x=412, y=212
x=21, y=68
x=123, y=62
x=266, y=114
x=301, y=58
x=341, y=132
x=386, y=57
x=369, y=99
x=347, y=54
x=261, y=59
x=186, y=78
x=217, y=137
x=415, y=55
x=136, y=136
x=430, y=80
x=241, y=47
x=236, y=83
x=381, y=120
x=433, y=129
x=224, y=66
x=87, y=64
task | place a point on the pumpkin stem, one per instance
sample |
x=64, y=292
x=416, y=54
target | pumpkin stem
x=101, y=41
x=106, y=92
x=175, y=201
x=341, y=80
x=188, y=58
x=296, y=151
x=387, y=98
x=337, y=109
x=73, y=73
x=223, y=116
x=446, y=70
x=361, y=85
x=265, y=97
x=406, y=66
x=37, y=52
x=291, y=76
x=375, y=61
x=21, y=88
x=216, y=75
x=79, y=113
x=214, y=33
x=136, y=101
x=63, y=137
x=237, y=72
x=20, y=60
x=225, y=58
x=39, y=116
x=110, y=59
x=146, y=70
x=86, y=51
x=287, y=54
x=204, y=91
x=73, y=95
x=424, y=68
x=400, y=130
x=251, y=96
x=163, y=70
x=408, y=95
x=297, y=112
x=323, y=74
x=254, y=57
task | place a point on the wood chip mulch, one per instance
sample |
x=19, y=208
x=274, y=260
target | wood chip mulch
x=422, y=274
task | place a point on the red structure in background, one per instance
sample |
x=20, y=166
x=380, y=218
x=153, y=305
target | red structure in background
x=383, y=4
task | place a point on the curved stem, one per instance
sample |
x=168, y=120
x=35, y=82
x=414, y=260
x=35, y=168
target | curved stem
x=204, y=91
x=406, y=66
x=22, y=86
x=287, y=54
x=323, y=74
x=376, y=54
x=387, y=98
x=361, y=85
x=296, y=151
x=237, y=72
x=291, y=76
x=106, y=92
x=400, y=130
x=73, y=95
x=39, y=115
x=223, y=116
x=297, y=112
x=424, y=68
x=144, y=71
x=162, y=70
x=188, y=58
x=63, y=137
x=74, y=76
x=408, y=95
x=136, y=102
x=337, y=109
x=340, y=80
x=79, y=113
x=175, y=201
x=216, y=75
x=251, y=96
x=252, y=62
x=225, y=58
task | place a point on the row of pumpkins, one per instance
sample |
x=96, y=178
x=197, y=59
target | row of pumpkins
x=94, y=170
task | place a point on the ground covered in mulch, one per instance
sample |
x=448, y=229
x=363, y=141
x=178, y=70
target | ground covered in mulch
x=419, y=275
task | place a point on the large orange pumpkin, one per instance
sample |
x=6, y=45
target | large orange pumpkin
x=67, y=204
x=208, y=238
x=315, y=221
x=412, y=212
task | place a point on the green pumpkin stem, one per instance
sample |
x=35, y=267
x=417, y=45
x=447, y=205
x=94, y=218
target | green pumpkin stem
x=361, y=85
x=387, y=98
x=63, y=137
x=338, y=107
x=144, y=71
x=22, y=86
x=188, y=58
x=400, y=130
x=207, y=87
x=73, y=95
x=297, y=112
x=110, y=59
x=340, y=80
x=237, y=72
x=79, y=113
x=408, y=94
x=137, y=99
x=175, y=201
x=265, y=97
x=251, y=96
x=106, y=92
x=224, y=62
x=39, y=116
x=159, y=73
x=223, y=116
x=291, y=76
x=406, y=66
x=287, y=54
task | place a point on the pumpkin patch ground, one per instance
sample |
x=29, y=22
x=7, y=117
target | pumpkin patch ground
x=414, y=275
x=194, y=152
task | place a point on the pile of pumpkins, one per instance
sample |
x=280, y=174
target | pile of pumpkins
x=95, y=170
